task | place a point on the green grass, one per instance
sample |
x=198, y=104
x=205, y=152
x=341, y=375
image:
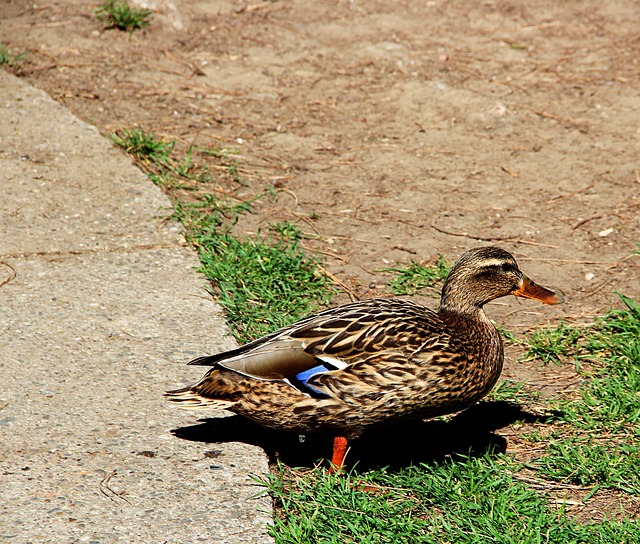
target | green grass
x=412, y=278
x=553, y=344
x=598, y=438
x=144, y=146
x=9, y=59
x=512, y=391
x=263, y=283
x=152, y=153
x=119, y=14
x=606, y=463
x=464, y=500
x=155, y=155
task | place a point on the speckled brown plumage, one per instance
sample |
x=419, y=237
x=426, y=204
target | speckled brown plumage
x=372, y=362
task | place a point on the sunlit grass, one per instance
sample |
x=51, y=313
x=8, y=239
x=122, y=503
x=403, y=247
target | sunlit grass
x=263, y=282
x=598, y=440
x=464, y=500
x=413, y=277
x=121, y=15
x=552, y=344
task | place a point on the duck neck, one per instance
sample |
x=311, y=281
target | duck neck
x=475, y=335
x=461, y=306
x=472, y=327
x=465, y=316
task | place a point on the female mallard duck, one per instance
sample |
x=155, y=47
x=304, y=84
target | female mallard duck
x=371, y=363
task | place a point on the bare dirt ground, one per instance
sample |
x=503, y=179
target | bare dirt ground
x=390, y=130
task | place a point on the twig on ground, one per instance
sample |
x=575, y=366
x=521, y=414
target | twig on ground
x=12, y=273
x=104, y=488
x=512, y=173
x=571, y=261
x=586, y=220
x=574, y=193
x=190, y=65
x=490, y=238
x=342, y=285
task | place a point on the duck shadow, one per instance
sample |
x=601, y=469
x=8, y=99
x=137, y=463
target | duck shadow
x=471, y=432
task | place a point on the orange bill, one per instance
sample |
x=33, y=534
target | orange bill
x=529, y=289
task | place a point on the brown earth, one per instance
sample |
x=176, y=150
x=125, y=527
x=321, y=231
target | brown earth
x=391, y=131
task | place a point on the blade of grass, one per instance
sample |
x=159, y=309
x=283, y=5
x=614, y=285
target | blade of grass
x=413, y=277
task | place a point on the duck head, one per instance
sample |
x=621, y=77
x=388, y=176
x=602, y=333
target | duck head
x=484, y=274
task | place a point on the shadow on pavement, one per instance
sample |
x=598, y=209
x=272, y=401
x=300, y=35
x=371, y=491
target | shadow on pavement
x=402, y=444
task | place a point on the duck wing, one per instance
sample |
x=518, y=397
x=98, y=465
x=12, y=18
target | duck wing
x=336, y=339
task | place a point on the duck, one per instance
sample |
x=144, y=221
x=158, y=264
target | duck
x=371, y=363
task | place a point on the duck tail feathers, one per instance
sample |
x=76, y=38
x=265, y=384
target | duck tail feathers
x=190, y=398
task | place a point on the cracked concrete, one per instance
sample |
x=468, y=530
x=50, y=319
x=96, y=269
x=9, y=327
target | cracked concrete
x=103, y=311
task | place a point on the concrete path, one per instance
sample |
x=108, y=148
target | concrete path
x=100, y=307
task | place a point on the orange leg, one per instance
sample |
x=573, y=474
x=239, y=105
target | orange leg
x=339, y=452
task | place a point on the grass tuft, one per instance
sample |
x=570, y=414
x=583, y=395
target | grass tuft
x=414, y=277
x=263, y=283
x=553, y=344
x=155, y=156
x=9, y=59
x=143, y=145
x=586, y=460
x=512, y=391
x=119, y=14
